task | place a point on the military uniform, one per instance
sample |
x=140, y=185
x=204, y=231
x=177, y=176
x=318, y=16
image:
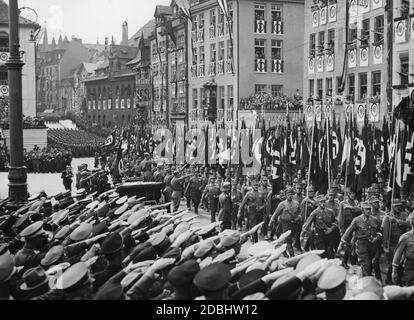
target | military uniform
x=225, y=208
x=405, y=248
x=256, y=203
x=194, y=191
x=177, y=186
x=146, y=169
x=168, y=189
x=393, y=228
x=324, y=223
x=348, y=210
x=366, y=232
x=213, y=193
x=236, y=198
x=288, y=214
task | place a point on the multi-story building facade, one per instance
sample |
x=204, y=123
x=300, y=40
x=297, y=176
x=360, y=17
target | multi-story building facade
x=178, y=69
x=346, y=61
x=55, y=65
x=27, y=29
x=83, y=72
x=111, y=91
x=403, y=50
x=160, y=44
x=254, y=50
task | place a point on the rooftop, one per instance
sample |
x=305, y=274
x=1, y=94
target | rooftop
x=4, y=17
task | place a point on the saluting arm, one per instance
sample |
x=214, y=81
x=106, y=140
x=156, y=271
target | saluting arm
x=277, y=212
x=308, y=222
x=243, y=204
x=348, y=232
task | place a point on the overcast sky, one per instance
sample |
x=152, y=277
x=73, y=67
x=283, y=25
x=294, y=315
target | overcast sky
x=91, y=19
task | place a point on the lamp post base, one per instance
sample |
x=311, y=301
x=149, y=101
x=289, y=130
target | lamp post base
x=17, y=187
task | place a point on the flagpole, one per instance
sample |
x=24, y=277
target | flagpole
x=347, y=158
x=329, y=151
x=395, y=160
x=311, y=154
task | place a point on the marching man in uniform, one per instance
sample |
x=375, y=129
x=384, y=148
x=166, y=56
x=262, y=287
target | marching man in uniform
x=366, y=230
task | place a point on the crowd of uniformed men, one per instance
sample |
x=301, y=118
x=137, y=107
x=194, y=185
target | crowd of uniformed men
x=304, y=245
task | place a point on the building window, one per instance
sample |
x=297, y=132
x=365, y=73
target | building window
x=353, y=32
x=213, y=52
x=312, y=44
x=3, y=74
x=311, y=88
x=379, y=29
x=363, y=86
x=405, y=8
x=258, y=88
x=259, y=18
x=229, y=50
x=221, y=97
x=221, y=51
x=195, y=56
x=351, y=88
x=230, y=97
x=404, y=68
x=202, y=55
x=319, y=88
x=321, y=41
x=329, y=87
x=213, y=17
x=338, y=85
x=202, y=97
x=195, y=22
x=277, y=90
x=376, y=84
x=331, y=40
x=365, y=32
x=277, y=49
x=201, y=21
x=212, y=23
x=4, y=41
x=277, y=24
x=260, y=49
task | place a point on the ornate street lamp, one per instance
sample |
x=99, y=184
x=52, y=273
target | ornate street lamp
x=17, y=171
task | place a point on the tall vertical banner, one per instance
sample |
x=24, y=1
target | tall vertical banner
x=311, y=65
x=364, y=56
x=309, y=112
x=412, y=28
x=315, y=18
x=179, y=144
x=318, y=112
x=352, y=58
x=332, y=13
x=349, y=110
x=374, y=112
x=361, y=107
x=378, y=54
x=322, y=16
x=401, y=31
x=320, y=63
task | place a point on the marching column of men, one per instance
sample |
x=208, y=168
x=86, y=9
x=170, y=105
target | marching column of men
x=360, y=232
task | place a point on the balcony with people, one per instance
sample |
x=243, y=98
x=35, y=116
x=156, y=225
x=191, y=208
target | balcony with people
x=269, y=102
